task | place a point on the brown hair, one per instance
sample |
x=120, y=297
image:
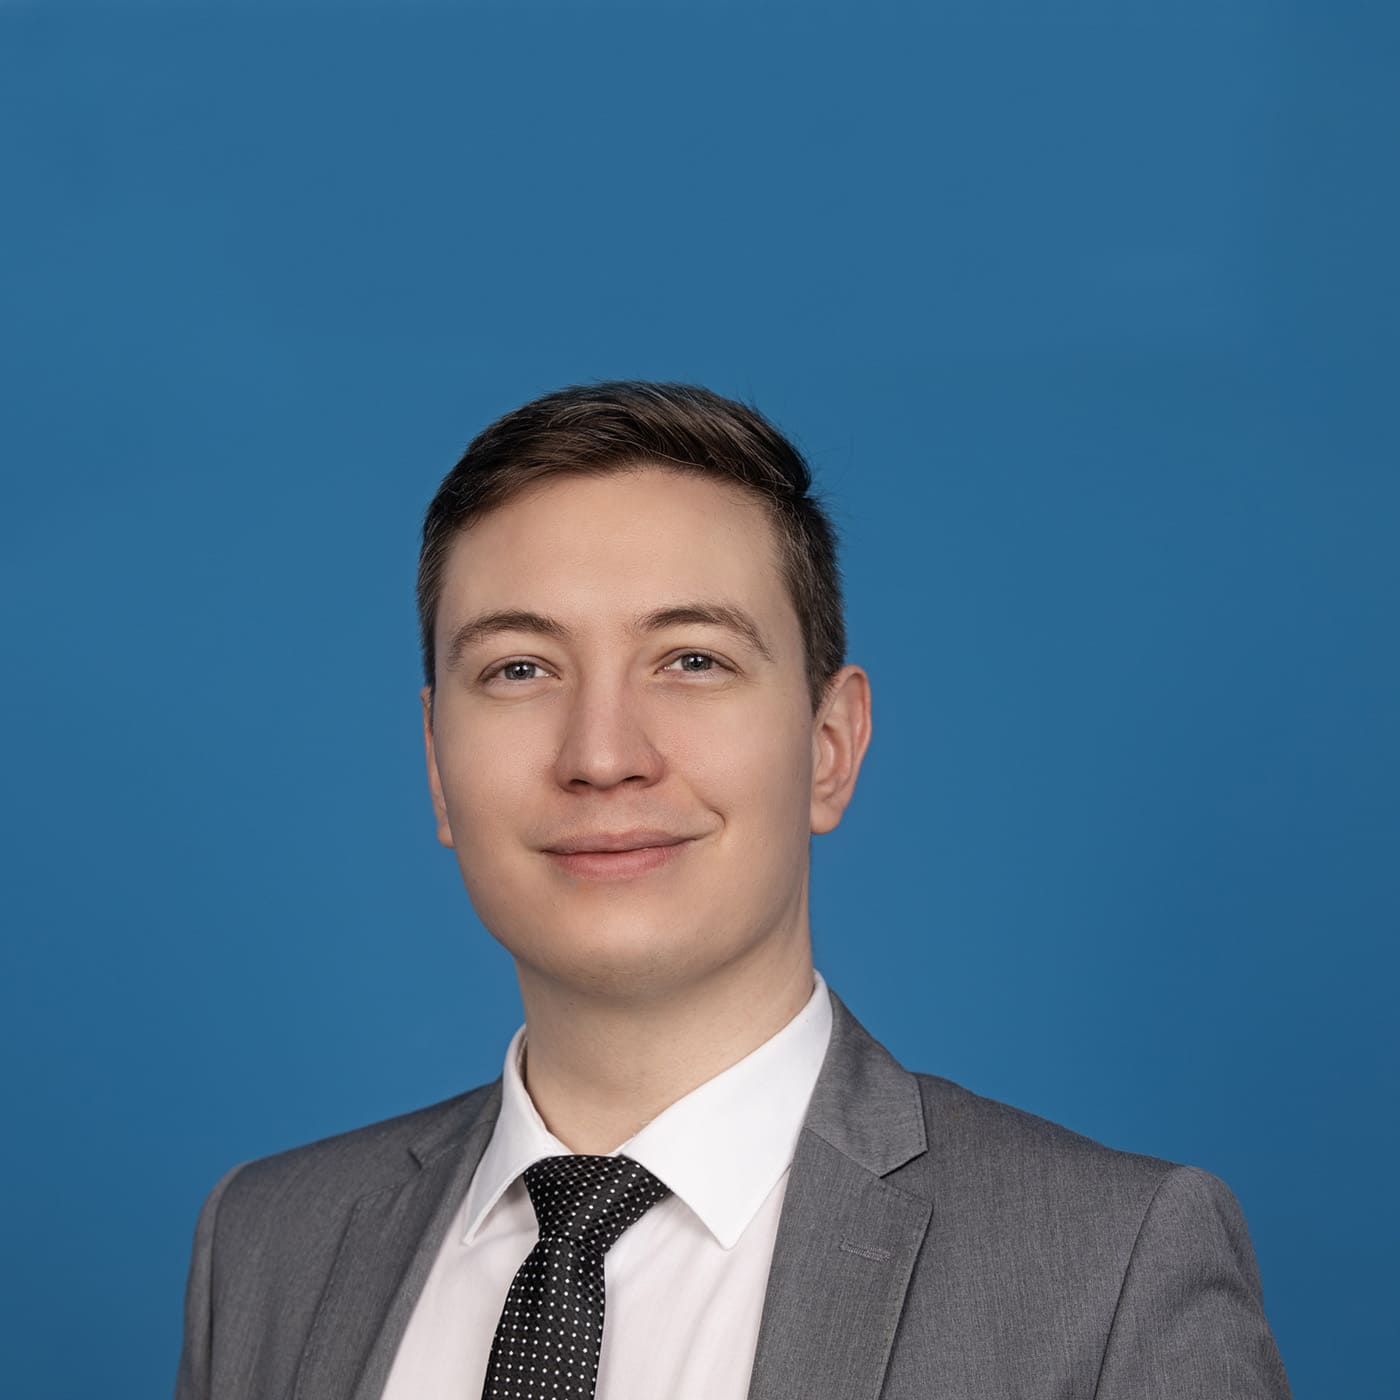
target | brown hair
x=599, y=428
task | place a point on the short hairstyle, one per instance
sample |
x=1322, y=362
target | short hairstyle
x=596, y=429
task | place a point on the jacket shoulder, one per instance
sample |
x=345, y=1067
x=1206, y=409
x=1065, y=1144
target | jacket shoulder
x=1049, y=1212
x=1019, y=1164
x=965, y=1118
x=323, y=1175
x=268, y=1235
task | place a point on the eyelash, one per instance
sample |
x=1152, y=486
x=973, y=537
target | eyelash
x=680, y=656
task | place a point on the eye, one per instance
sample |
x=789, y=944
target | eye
x=513, y=666
x=713, y=662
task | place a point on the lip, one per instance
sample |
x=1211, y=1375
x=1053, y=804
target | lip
x=634, y=840
x=625, y=864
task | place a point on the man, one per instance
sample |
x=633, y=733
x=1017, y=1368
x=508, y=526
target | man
x=698, y=1177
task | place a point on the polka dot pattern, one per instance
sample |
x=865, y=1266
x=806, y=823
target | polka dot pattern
x=551, y=1329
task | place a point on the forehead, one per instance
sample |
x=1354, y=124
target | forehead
x=618, y=542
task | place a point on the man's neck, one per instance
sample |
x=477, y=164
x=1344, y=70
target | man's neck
x=600, y=1068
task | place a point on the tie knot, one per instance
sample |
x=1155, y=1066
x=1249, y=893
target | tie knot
x=591, y=1199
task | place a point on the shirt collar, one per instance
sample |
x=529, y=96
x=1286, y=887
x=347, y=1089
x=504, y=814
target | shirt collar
x=722, y=1148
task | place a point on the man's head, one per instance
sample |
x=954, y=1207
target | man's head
x=632, y=634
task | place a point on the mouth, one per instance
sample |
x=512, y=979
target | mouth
x=622, y=864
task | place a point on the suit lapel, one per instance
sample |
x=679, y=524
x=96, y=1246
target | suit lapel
x=384, y=1258
x=847, y=1239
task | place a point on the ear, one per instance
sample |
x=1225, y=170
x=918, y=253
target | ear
x=840, y=736
x=444, y=828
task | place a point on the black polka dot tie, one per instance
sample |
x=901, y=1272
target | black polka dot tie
x=551, y=1329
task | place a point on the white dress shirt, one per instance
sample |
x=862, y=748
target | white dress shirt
x=685, y=1284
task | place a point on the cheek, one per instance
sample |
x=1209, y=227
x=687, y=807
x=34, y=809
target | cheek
x=755, y=773
x=485, y=787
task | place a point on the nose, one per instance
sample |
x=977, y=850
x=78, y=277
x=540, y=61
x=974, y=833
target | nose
x=605, y=740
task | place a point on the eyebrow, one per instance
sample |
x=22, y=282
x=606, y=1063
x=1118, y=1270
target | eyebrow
x=732, y=619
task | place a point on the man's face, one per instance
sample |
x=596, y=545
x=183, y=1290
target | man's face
x=597, y=720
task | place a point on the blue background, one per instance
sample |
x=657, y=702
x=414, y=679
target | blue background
x=1087, y=318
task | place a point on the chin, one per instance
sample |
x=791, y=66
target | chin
x=615, y=956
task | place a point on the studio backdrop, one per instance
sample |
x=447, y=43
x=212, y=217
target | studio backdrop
x=1086, y=318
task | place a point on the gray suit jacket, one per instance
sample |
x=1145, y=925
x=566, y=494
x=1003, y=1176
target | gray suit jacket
x=932, y=1244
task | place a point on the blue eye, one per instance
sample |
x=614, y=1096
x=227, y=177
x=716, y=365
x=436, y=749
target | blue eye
x=714, y=661
x=510, y=666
